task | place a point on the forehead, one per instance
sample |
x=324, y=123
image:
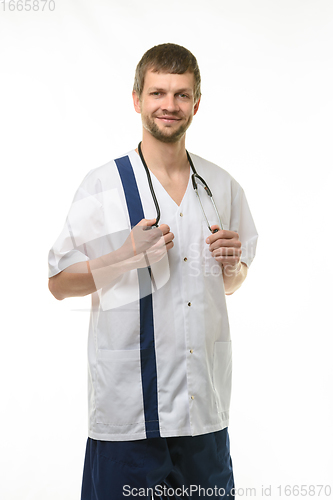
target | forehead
x=168, y=81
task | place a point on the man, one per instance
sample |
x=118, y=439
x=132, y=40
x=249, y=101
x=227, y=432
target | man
x=159, y=346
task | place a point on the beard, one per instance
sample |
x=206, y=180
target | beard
x=165, y=135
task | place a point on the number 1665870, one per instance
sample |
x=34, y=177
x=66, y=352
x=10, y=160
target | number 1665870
x=27, y=5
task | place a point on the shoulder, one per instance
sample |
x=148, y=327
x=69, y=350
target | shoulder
x=102, y=178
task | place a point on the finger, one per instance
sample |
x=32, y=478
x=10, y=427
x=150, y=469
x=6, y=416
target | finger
x=169, y=245
x=168, y=237
x=163, y=244
x=221, y=234
x=225, y=243
x=227, y=251
x=164, y=228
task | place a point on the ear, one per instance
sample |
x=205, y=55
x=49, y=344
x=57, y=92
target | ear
x=196, y=106
x=136, y=102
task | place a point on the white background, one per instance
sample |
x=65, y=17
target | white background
x=265, y=117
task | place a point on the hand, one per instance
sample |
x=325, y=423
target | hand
x=144, y=243
x=226, y=248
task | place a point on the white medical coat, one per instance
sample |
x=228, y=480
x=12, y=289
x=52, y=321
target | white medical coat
x=192, y=344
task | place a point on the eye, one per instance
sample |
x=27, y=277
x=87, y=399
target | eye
x=183, y=96
x=156, y=94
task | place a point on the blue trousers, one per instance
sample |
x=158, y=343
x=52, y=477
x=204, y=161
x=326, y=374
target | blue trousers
x=160, y=468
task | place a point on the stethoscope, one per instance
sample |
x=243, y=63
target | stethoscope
x=195, y=177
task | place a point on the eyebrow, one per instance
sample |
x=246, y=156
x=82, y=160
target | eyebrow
x=179, y=91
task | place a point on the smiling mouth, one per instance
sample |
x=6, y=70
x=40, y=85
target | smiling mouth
x=168, y=119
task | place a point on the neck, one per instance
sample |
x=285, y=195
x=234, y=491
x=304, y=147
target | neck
x=164, y=157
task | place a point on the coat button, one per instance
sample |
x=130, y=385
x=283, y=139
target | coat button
x=189, y=304
x=192, y=397
x=185, y=259
x=181, y=214
x=191, y=351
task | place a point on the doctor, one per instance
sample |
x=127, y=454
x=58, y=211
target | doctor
x=159, y=346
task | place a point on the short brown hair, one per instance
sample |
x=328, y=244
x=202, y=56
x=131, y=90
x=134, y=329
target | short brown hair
x=167, y=58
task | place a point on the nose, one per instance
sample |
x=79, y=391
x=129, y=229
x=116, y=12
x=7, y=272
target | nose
x=170, y=103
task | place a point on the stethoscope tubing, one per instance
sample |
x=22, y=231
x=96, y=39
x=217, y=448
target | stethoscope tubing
x=195, y=187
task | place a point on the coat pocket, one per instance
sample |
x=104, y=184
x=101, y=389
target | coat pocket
x=119, y=399
x=222, y=375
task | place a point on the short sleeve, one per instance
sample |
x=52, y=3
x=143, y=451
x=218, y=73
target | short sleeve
x=96, y=214
x=70, y=246
x=242, y=222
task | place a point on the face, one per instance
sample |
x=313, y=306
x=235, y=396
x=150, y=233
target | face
x=167, y=105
